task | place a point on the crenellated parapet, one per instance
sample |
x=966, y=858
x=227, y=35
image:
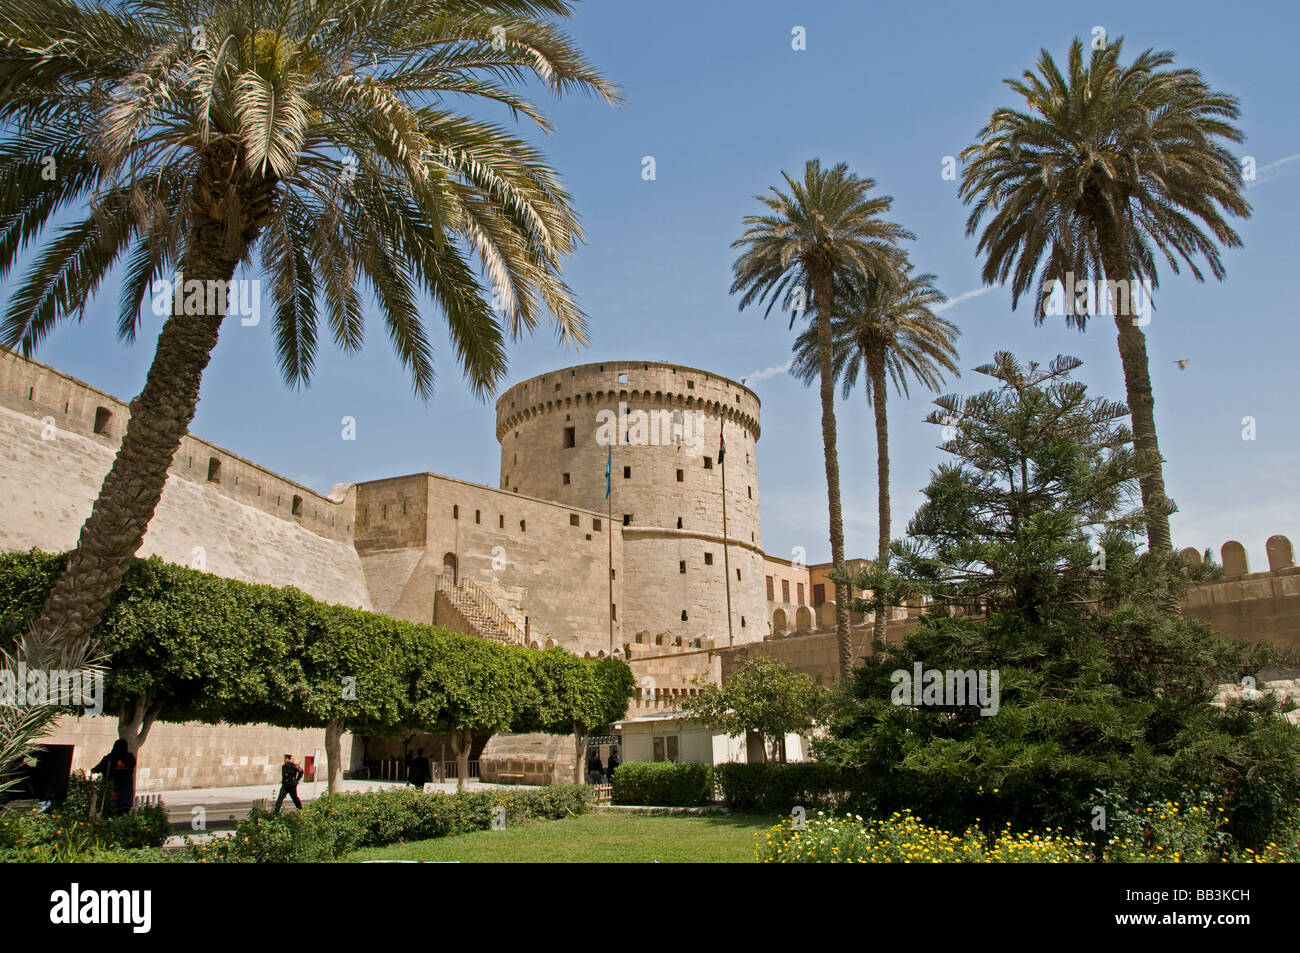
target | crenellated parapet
x=1251, y=606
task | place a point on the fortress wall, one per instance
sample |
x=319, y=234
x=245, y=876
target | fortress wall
x=40, y=392
x=51, y=475
x=388, y=573
x=815, y=653
x=532, y=418
x=664, y=592
x=194, y=755
x=549, y=574
x=241, y=527
x=1251, y=606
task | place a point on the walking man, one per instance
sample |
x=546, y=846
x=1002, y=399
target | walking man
x=290, y=774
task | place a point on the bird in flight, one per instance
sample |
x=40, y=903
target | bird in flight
x=1182, y=363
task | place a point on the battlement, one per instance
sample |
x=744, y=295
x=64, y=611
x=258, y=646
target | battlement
x=1280, y=552
x=637, y=382
x=1252, y=606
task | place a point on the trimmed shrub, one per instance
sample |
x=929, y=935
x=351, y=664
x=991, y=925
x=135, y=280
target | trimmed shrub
x=62, y=836
x=774, y=788
x=663, y=783
x=217, y=650
x=143, y=827
x=337, y=824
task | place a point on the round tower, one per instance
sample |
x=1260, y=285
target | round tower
x=659, y=426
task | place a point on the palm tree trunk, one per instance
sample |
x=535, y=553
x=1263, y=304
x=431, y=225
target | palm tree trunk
x=823, y=296
x=1141, y=402
x=876, y=368
x=161, y=414
x=1141, y=405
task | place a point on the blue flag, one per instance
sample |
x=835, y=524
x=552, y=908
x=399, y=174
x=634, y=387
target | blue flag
x=609, y=465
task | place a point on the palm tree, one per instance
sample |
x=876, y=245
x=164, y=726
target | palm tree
x=318, y=132
x=884, y=327
x=826, y=227
x=1104, y=167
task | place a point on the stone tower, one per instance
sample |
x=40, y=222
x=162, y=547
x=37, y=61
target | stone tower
x=663, y=422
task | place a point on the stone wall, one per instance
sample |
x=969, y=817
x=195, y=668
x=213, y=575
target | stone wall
x=247, y=523
x=194, y=755
x=533, y=758
x=240, y=525
x=1251, y=606
x=546, y=564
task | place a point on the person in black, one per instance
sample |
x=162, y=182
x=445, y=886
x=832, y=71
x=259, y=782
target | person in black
x=594, y=767
x=119, y=766
x=418, y=774
x=289, y=775
x=613, y=762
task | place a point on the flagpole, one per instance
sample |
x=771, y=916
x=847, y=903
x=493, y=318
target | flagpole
x=726, y=557
x=609, y=519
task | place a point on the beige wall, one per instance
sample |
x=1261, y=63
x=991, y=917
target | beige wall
x=51, y=473
x=695, y=743
x=550, y=575
x=193, y=755
x=1252, y=606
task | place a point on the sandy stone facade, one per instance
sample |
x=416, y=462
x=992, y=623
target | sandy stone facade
x=658, y=427
x=536, y=561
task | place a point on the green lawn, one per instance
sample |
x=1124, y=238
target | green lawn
x=603, y=838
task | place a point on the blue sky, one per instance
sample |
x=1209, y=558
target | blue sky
x=716, y=94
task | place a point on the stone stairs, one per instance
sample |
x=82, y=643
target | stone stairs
x=485, y=617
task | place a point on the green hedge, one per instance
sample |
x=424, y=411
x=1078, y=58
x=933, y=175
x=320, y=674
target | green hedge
x=774, y=788
x=663, y=783
x=336, y=824
x=67, y=834
x=217, y=650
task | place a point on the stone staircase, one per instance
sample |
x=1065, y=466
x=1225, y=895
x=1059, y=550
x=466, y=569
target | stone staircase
x=485, y=617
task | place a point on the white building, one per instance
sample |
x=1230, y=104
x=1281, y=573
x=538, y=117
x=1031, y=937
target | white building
x=672, y=736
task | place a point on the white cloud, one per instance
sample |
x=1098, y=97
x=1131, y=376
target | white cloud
x=774, y=371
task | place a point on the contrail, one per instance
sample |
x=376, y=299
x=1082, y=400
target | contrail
x=1271, y=173
x=965, y=296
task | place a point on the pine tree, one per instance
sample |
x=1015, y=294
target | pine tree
x=1028, y=548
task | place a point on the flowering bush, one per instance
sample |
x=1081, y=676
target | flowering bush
x=903, y=839
x=1170, y=832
